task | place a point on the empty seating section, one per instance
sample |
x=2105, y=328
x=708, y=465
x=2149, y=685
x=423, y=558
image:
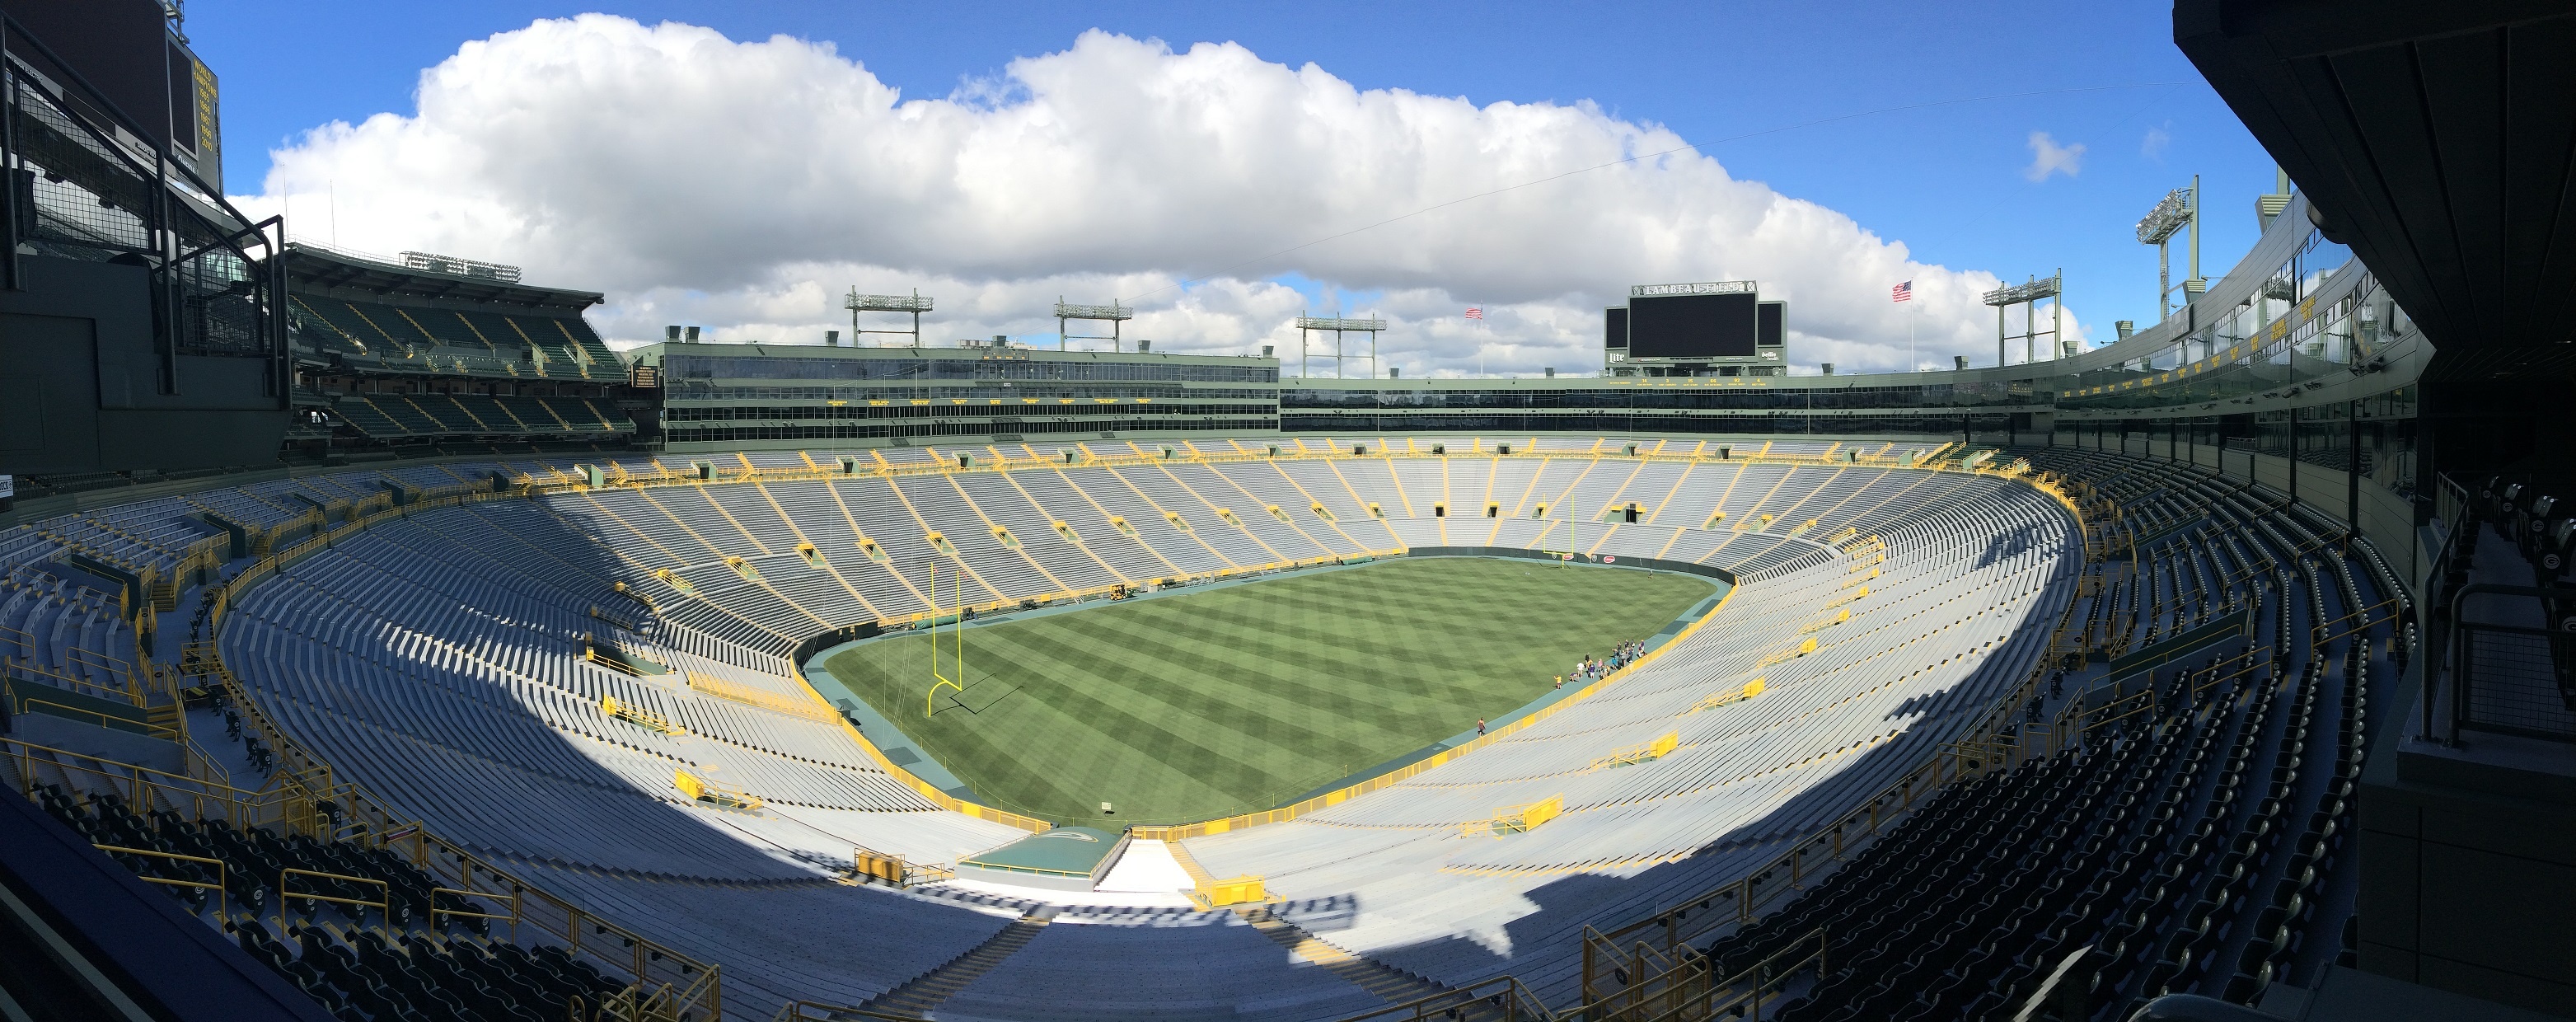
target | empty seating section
x=2188, y=843
x=63, y=628
x=395, y=415
x=1220, y=968
x=1294, y=525
x=941, y=508
x=397, y=960
x=1187, y=554
x=378, y=335
x=440, y=658
x=1012, y=509
x=1056, y=496
x=382, y=339
x=812, y=939
x=1961, y=611
x=820, y=517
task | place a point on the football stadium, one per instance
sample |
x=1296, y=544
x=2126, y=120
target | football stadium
x=383, y=643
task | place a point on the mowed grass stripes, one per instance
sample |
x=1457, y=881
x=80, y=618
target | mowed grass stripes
x=1199, y=705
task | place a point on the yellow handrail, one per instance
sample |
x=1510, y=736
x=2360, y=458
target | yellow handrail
x=382, y=904
x=458, y=913
x=223, y=902
x=307, y=781
x=130, y=693
x=105, y=720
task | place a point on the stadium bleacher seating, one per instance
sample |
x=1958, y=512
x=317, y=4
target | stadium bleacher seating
x=444, y=341
x=388, y=416
x=398, y=372
x=394, y=959
x=436, y=657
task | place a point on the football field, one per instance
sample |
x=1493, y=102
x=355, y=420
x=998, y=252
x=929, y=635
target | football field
x=1202, y=704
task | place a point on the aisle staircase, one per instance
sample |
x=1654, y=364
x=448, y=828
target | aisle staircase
x=921, y=993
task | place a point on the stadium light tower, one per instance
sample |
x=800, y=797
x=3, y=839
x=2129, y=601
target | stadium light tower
x=2028, y=296
x=2180, y=209
x=913, y=303
x=1338, y=326
x=1113, y=312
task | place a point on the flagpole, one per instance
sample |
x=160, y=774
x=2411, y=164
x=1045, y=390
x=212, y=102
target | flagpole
x=1477, y=313
x=1914, y=363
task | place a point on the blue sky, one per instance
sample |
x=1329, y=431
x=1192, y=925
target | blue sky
x=1950, y=181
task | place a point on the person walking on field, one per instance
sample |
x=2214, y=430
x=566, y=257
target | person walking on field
x=1480, y=727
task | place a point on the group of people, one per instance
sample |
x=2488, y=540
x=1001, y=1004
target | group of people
x=1591, y=669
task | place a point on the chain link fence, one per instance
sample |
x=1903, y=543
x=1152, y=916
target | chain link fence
x=2515, y=679
x=89, y=193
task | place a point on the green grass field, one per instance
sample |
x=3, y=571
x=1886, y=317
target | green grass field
x=1198, y=705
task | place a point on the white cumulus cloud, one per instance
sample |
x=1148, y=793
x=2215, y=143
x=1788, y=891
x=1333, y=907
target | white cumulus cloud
x=2047, y=157
x=746, y=185
x=2157, y=140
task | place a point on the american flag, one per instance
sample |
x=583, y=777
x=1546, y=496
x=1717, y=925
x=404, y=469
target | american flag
x=1904, y=292
x=1475, y=313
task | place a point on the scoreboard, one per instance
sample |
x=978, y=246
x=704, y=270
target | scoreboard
x=1691, y=327
x=1721, y=325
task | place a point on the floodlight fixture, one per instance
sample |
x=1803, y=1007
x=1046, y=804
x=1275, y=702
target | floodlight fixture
x=912, y=303
x=2028, y=295
x=1112, y=314
x=2178, y=210
x=886, y=303
x=1337, y=325
x=2016, y=294
x=432, y=262
x=1112, y=311
x=2167, y=219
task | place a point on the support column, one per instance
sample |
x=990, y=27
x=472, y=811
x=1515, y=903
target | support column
x=2030, y=333
x=2294, y=454
x=2164, y=280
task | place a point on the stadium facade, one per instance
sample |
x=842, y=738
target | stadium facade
x=2221, y=660
x=755, y=396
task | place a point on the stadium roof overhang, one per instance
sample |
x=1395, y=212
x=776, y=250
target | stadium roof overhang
x=314, y=269
x=2433, y=138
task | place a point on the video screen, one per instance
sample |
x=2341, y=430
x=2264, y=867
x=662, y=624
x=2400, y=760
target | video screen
x=1693, y=326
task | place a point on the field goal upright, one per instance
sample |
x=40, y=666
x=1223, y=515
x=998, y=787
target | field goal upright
x=930, y=700
x=1573, y=546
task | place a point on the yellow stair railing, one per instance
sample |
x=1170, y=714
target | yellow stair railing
x=718, y=793
x=638, y=715
x=1729, y=697
x=1517, y=819
x=1640, y=752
